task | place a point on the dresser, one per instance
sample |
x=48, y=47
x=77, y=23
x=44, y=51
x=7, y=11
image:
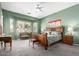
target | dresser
x=68, y=39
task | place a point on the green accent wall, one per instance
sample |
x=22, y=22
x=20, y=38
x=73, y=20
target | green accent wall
x=0, y=8
x=6, y=22
x=39, y=26
x=0, y=12
x=69, y=16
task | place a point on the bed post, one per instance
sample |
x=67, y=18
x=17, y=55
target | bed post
x=46, y=42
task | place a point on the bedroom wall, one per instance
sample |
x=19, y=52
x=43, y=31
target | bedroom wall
x=0, y=8
x=69, y=16
x=1, y=20
x=6, y=21
x=0, y=13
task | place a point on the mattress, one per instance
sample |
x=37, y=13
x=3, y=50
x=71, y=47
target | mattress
x=53, y=38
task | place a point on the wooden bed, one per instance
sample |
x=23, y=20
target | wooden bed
x=43, y=37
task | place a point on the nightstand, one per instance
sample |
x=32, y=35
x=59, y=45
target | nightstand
x=68, y=39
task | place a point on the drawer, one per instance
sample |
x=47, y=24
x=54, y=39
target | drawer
x=68, y=40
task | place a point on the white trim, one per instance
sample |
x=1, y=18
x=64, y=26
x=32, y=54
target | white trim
x=76, y=44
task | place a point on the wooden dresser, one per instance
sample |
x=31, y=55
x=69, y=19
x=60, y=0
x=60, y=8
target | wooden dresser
x=68, y=39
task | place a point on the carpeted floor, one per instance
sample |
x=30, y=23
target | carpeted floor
x=22, y=48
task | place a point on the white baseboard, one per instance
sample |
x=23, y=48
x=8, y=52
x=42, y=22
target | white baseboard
x=76, y=44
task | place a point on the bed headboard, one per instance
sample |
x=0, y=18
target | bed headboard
x=59, y=29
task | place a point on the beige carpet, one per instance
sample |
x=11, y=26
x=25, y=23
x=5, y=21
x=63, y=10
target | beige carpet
x=22, y=48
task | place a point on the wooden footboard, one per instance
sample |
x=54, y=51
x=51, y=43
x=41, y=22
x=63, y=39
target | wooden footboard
x=43, y=40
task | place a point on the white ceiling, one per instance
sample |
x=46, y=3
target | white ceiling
x=29, y=8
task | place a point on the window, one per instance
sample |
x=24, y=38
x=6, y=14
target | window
x=23, y=26
x=11, y=24
x=35, y=27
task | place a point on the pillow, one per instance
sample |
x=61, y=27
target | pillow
x=55, y=33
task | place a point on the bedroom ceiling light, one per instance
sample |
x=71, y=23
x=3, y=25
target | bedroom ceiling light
x=39, y=7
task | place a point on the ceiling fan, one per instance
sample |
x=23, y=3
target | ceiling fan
x=39, y=8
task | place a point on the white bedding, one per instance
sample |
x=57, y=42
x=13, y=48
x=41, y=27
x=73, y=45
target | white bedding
x=53, y=37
